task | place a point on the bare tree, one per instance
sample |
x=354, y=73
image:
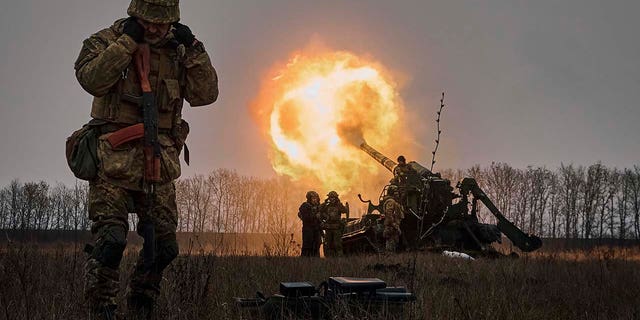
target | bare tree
x=501, y=182
x=554, y=204
x=614, y=188
x=570, y=183
x=592, y=191
x=4, y=208
x=634, y=186
x=540, y=186
x=623, y=203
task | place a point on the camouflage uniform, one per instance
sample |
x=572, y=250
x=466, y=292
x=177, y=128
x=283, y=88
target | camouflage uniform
x=330, y=213
x=106, y=70
x=400, y=173
x=393, y=215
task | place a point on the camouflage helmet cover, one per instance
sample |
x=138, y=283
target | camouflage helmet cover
x=332, y=194
x=155, y=11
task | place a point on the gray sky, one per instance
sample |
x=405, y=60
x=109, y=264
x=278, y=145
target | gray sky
x=527, y=82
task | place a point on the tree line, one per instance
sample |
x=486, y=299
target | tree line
x=592, y=202
x=569, y=202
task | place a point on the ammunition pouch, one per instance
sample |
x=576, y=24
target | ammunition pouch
x=169, y=98
x=170, y=163
x=81, y=151
x=123, y=162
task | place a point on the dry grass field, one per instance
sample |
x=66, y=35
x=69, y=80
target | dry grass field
x=600, y=283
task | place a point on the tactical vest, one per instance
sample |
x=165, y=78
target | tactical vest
x=166, y=81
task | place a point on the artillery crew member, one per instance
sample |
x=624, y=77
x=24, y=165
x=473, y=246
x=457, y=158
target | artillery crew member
x=179, y=69
x=330, y=214
x=401, y=171
x=393, y=215
x=311, y=230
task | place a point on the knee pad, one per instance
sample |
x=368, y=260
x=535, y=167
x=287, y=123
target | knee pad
x=110, y=245
x=167, y=250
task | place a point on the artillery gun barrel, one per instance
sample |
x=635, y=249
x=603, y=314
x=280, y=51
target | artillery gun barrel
x=386, y=162
x=422, y=171
x=390, y=164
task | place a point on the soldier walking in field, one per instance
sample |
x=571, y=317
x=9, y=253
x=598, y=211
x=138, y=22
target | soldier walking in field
x=311, y=230
x=331, y=213
x=114, y=63
x=393, y=215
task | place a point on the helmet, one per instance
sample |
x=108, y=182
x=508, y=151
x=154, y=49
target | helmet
x=311, y=195
x=155, y=11
x=401, y=159
x=332, y=194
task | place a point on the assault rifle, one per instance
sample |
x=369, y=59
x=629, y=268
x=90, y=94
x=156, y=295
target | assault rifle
x=151, y=153
x=148, y=130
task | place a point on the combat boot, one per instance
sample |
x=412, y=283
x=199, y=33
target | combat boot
x=140, y=307
x=104, y=313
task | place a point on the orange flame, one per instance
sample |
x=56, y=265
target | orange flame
x=317, y=109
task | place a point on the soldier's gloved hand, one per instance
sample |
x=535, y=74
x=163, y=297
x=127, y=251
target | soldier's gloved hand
x=133, y=29
x=183, y=34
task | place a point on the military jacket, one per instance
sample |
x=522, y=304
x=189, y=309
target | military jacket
x=105, y=68
x=403, y=170
x=308, y=213
x=331, y=212
x=393, y=214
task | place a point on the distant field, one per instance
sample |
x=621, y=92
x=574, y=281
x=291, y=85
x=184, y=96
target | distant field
x=257, y=243
x=218, y=243
x=596, y=283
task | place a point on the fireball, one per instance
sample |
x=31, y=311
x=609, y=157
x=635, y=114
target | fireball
x=317, y=109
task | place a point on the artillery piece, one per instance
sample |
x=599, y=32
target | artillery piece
x=432, y=219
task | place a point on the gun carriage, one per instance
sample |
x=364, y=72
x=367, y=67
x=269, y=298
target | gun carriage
x=436, y=215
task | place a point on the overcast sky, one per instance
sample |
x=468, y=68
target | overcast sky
x=527, y=82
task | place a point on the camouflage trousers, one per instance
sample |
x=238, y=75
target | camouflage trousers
x=333, y=242
x=311, y=240
x=109, y=206
x=392, y=238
